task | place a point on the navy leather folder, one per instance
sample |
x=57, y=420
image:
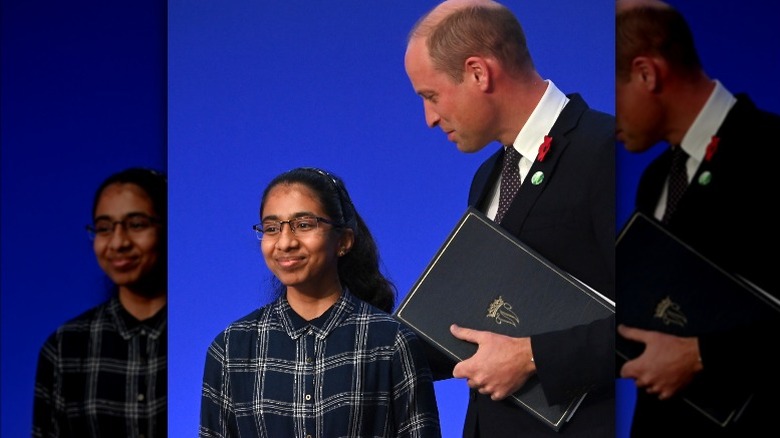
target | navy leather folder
x=665, y=285
x=484, y=278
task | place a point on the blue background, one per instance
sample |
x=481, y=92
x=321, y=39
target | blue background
x=254, y=88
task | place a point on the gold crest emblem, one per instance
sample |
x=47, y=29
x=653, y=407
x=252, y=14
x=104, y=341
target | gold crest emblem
x=502, y=312
x=669, y=312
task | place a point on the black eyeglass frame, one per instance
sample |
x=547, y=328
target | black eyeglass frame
x=258, y=228
x=92, y=231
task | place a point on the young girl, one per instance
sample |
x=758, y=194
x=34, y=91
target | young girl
x=104, y=372
x=324, y=359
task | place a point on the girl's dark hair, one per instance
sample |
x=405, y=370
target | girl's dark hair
x=358, y=269
x=154, y=183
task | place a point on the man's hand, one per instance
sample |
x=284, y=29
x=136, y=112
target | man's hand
x=500, y=366
x=667, y=365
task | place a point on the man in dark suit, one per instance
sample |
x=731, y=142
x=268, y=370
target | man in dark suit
x=663, y=94
x=469, y=62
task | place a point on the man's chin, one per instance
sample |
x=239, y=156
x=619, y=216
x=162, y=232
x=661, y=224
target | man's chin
x=468, y=148
x=628, y=144
x=636, y=147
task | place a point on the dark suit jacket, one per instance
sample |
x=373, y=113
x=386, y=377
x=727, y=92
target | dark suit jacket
x=731, y=221
x=570, y=219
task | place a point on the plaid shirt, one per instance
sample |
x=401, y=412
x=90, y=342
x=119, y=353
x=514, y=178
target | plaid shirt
x=353, y=372
x=103, y=374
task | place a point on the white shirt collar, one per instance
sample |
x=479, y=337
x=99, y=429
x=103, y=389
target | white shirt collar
x=707, y=122
x=540, y=121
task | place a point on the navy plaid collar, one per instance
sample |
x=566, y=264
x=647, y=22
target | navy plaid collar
x=128, y=326
x=323, y=325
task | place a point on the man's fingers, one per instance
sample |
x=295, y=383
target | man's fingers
x=630, y=333
x=465, y=334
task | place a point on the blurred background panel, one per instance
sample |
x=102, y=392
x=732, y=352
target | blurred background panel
x=738, y=45
x=83, y=95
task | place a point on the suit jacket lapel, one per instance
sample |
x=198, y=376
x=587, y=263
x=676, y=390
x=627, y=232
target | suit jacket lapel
x=531, y=188
x=729, y=133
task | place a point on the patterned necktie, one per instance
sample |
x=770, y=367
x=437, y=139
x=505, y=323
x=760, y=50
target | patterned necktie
x=678, y=181
x=510, y=181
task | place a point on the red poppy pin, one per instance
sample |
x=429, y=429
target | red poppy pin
x=544, y=148
x=711, y=148
x=706, y=176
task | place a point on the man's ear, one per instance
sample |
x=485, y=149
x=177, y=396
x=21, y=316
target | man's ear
x=477, y=71
x=647, y=71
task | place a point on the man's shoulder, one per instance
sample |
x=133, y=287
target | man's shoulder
x=603, y=122
x=747, y=111
x=587, y=118
x=748, y=123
